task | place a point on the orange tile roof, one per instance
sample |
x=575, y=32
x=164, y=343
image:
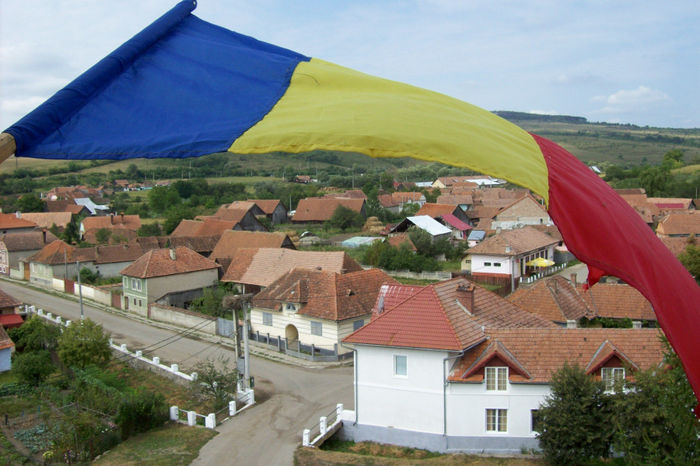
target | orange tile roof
x=455, y=199
x=680, y=223
x=58, y=252
x=210, y=226
x=443, y=316
x=48, y=219
x=320, y=209
x=262, y=266
x=201, y=244
x=436, y=210
x=520, y=241
x=618, y=301
x=226, y=214
x=543, y=351
x=129, y=222
x=11, y=222
x=554, y=298
x=398, y=239
x=160, y=263
x=119, y=235
x=231, y=240
x=187, y=227
x=325, y=295
x=266, y=205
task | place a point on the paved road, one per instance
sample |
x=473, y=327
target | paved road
x=290, y=398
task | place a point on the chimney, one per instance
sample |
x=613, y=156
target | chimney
x=467, y=291
x=18, y=214
x=571, y=324
x=172, y=254
x=573, y=279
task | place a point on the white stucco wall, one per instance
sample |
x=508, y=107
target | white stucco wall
x=412, y=402
x=467, y=404
x=479, y=261
x=332, y=332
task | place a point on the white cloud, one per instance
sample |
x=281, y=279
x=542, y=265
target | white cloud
x=629, y=99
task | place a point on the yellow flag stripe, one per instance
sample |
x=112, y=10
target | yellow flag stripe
x=330, y=107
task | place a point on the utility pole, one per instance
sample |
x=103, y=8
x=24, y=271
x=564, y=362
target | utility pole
x=241, y=303
x=80, y=290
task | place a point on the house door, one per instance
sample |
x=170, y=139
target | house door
x=292, y=335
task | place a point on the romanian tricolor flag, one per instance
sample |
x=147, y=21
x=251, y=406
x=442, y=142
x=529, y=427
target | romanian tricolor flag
x=184, y=87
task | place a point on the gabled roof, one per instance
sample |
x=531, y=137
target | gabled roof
x=605, y=353
x=543, y=351
x=129, y=222
x=262, y=266
x=527, y=198
x=325, y=295
x=162, y=262
x=436, y=210
x=680, y=223
x=553, y=298
x=231, y=240
x=670, y=203
x=12, y=221
x=27, y=241
x=320, y=209
x=618, y=301
x=496, y=350
x=450, y=315
x=117, y=253
x=48, y=219
x=514, y=242
x=267, y=205
x=208, y=227
x=244, y=205
x=91, y=206
x=8, y=301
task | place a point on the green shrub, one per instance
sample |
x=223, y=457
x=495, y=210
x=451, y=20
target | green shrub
x=140, y=411
x=33, y=367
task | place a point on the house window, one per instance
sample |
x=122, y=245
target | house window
x=497, y=378
x=611, y=376
x=496, y=420
x=487, y=264
x=316, y=328
x=496, y=264
x=400, y=365
x=357, y=324
x=140, y=303
x=290, y=307
x=267, y=319
x=135, y=284
x=535, y=420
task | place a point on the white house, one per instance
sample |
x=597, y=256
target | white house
x=316, y=307
x=457, y=368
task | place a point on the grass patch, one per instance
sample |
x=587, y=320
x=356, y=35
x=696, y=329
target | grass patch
x=170, y=444
x=336, y=452
x=415, y=281
x=8, y=377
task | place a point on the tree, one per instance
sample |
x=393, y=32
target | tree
x=654, y=418
x=33, y=367
x=31, y=203
x=210, y=302
x=71, y=234
x=88, y=276
x=575, y=419
x=690, y=258
x=102, y=235
x=35, y=334
x=673, y=159
x=161, y=198
x=218, y=384
x=345, y=218
x=150, y=229
x=84, y=343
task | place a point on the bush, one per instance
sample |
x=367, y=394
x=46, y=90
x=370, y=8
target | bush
x=140, y=411
x=83, y=344
x=35, y=334
x=33, y=367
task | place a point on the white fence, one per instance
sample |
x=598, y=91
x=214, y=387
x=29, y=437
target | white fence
x=327, y=426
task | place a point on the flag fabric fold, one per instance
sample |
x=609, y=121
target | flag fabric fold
x=184, y=87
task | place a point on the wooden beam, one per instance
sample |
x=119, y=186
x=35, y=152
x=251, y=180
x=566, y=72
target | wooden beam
x=7, y=146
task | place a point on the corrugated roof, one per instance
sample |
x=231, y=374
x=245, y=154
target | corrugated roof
x=427, y=223
x=455, y=222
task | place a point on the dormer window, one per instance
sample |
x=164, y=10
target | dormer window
x=496, y=378
x=290, y=307
x=611, y=376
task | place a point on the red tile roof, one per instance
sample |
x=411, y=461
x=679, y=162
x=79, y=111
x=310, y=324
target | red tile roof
x=450, y=315
x=540, y=352
x=320, y=209
x=618, y=301
x=262, y=266
x=161, y=263
x=325, y=295
x=554, y=298
x=58, y=252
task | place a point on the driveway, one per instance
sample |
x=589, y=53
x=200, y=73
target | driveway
x=290, y=398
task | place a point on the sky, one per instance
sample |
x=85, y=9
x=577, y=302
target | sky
x=619, y=61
